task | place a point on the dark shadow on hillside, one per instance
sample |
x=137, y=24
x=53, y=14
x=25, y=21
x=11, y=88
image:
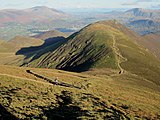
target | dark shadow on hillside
x=79, y=68
x=46, y=43
x=65, y=110
x=5, y=115
x=49, y=44
x=87, y=63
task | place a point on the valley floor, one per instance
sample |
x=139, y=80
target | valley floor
x=103, y=94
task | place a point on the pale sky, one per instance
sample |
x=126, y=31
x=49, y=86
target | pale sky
x=21, y=4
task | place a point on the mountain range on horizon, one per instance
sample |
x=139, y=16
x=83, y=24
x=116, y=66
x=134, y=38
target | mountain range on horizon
x=35, y=14
x=30, y=22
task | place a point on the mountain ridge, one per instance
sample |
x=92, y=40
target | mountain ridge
x=95, y=47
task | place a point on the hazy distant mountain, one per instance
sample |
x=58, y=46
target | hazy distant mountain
x=35, y=14
x=144, y=13
x=143, y=21
x=145, y=26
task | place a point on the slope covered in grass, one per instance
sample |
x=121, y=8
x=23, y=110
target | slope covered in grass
x=26, y=96
x=21, y=41
x=105, y=44
x=6, y=47
x=152, y=42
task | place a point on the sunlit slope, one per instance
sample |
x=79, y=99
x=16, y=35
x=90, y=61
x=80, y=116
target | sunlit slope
x=6, y=47
x=26, y=96
x=152, y=42
x=21, y=42
x=105, y=44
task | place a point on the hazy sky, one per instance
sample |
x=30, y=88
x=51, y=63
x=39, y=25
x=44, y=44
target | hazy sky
x=19, y=4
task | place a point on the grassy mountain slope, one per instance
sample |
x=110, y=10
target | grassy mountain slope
x=20, y=42
x=105, y=44
x=33, y=53
x=152, y=42
x=7, y=54
x=26, y=96
x=6, y=47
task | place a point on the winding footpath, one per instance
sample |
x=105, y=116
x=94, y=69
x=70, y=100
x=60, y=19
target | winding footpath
x=32, y=80
x=51, y=81
x=119, y=57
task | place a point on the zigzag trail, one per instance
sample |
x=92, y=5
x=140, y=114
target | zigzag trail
x=119, y=57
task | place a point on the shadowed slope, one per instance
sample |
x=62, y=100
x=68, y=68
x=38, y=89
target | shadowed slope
x=5, y=115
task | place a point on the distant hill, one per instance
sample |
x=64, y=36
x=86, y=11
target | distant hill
x=143, y=13
x=101, y=45
x=35, y=14
x=6, y=47
x=140, y=20
x=50, y=34
x=21, y=41
x=145, y=26
x=143, y=21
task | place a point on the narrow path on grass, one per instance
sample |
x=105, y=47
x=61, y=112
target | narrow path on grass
x=25, y=79
x=119, y=57
x=50, y=80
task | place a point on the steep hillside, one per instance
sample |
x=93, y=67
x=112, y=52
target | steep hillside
x=50, y=34
x=27, y=96
x=106, y=44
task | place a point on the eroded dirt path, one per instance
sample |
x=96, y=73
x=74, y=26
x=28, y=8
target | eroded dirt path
x=25, y=79
x=119, y=57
